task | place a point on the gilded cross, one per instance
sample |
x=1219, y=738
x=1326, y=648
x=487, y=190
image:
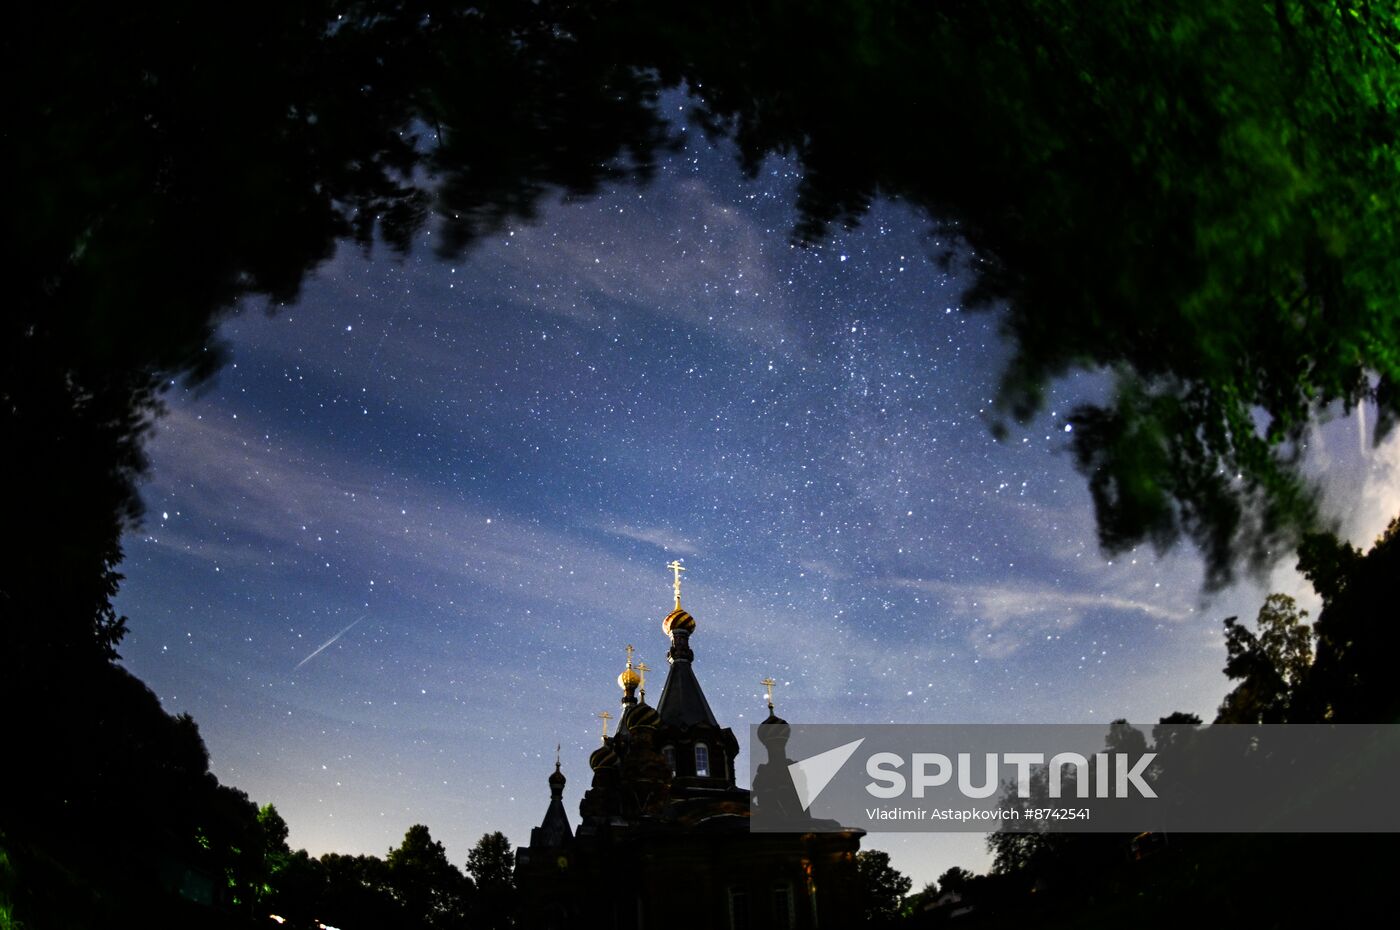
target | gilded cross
x=677, y=567
x=642, y=669
x=605, y=716
x=768, y=684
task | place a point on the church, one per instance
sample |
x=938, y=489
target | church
x=663, y=835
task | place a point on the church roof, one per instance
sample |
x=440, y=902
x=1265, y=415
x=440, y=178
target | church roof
x=554, y=830
x=682, y=702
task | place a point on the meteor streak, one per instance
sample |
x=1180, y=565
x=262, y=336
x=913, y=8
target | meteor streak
x=327, y=643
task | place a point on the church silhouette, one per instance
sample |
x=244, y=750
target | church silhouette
x=663, y=837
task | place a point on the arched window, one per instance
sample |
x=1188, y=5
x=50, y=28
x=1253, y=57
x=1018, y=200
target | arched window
x=670, y=753
x=702, y=759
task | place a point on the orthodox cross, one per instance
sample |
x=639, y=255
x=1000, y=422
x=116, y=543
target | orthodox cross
x=677, y=567
x=642, y=669
x=768, y=684
x=605, y=716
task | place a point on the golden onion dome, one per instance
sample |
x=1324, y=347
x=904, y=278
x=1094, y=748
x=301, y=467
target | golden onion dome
x=678, y=620
x=630, y=679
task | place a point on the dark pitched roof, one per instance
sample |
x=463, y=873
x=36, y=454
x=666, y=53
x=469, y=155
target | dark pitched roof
x=555, y=830
x=682, y=702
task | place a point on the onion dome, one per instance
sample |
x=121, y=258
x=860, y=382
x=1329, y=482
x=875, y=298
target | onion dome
x=557, y=780
x=603, y=757
x=643, y=715
x=774, y=730
x=629, y=680
x=679, y=625
x=678, y=620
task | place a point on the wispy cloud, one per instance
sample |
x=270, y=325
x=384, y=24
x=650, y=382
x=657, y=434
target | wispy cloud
x=824, y=568
x=660, y=537
x=273, y=498
x=699, y=262
x=823, y=665
x=1009, y=616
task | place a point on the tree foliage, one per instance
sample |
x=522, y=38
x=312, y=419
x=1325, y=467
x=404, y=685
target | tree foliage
x=356, y=891
x=432, y=890
x=491, y=864
x=415, y=886
x=1349, y=681
x=1338, y=669
x=1269, y=666
x=955, y=880
x=115, y=818
x=881, y=887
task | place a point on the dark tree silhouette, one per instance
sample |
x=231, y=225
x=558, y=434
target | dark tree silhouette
x=113, y=813
x=1280, y=678
x=1269, y=666
x=491, y=865
x=296, y=886
x=881, y=886
x=920, y=901
x=432, y=890
x=954, y=879
x=1357, y=637
x=359, y=893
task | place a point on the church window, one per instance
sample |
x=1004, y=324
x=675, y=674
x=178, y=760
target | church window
x=702, y=759
x=738, y=909
x=670, y=753
x=784, y=914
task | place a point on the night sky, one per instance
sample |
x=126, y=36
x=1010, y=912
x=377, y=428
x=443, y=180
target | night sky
x=394, y=553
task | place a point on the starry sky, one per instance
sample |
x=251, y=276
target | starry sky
x=394, y=553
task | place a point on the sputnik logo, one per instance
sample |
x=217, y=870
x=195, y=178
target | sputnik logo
x=811, y=776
